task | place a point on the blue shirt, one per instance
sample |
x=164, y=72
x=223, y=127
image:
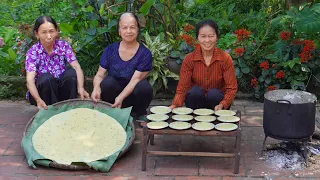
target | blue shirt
x=121, y=70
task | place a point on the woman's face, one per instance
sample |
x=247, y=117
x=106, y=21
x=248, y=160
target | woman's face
x=128, y=28
x=47, y=34
x=207, y=38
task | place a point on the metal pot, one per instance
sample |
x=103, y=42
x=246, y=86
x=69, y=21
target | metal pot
x=289, y=114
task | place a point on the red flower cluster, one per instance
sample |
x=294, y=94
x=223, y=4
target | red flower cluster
x=242, y=34
x=297, y=42
x=254, y=82
x=284, y=35
x=270, y=88
x=308, y=46
x=188, y=39
x=239, y=51
x=264, y=65
x=280, y=75
x=188, y=27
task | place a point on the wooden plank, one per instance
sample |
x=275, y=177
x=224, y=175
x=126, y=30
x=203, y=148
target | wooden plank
x=199, y=154
x=144, y=145
x=192, y=132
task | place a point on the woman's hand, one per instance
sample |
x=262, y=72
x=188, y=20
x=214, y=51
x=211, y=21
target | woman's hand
x=41, y=104
x=83, y=93
x=172, y=106
x=95, y=95
x=117, y=102
x=218, y=107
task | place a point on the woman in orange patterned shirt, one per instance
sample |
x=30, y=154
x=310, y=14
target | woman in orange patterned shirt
x=207, y=75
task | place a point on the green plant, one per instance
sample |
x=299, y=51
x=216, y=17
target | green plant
x=8, y=55
x=305, y=20
x=291, y=65
x=183, y=44
x=159, y=75
x=227, y=42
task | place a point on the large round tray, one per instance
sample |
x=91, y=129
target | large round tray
x=75, y=102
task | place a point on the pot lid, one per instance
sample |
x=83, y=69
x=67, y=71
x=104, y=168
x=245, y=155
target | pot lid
x=294, y=96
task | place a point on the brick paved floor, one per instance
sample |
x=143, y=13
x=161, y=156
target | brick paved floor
x=15, y=115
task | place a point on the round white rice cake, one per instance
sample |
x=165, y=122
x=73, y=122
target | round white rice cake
x=226, y=126
x=160, y=110
x=182, y=117
x=157, y=117
x=228, y=119
x=179, y=125
x=79, y=135
x=205, y=118
x=225, y=113
x=203, y=112
x=203, y=126
x=182, y=110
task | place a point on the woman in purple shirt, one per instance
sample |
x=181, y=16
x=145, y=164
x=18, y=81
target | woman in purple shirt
x=48, y=80
x=127, y=63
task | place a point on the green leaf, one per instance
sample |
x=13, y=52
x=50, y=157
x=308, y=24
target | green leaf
x=245, y=70
x=308, y=22
x=12, y=54
x=112, y=23
x=261, y=79
x=101, y=10
x=165, y=81
x=175, y=54
x=146, y=7
x=272, y=58
x=66, y=28
x=291, y=63
x=182, y=56
x=247, y=57
x=237, y=71
x=3, y=54
x=286, y=57
x=230, y=9
x=92, y=31
x=88, y=9
x=268, y=80
x=297, y=84
x=264, y=73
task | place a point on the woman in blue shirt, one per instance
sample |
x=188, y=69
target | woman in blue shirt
x=127, y=64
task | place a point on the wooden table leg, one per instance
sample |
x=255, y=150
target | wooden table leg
x=152, y=139
x=237, y=152
x=144, y=145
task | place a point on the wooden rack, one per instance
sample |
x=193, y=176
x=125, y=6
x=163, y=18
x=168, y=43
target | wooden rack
x=148, y=138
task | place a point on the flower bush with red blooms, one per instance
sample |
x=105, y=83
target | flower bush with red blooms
x=289, y=66
x=183, y=44
x=242, y=34
x=280, y=75
x=254, y=82
x=264, y=65
x=284, y=35
x=239, y=51
x=188, y=27
x=240, y=44
x=308, y=47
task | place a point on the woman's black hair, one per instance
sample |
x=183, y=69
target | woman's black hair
x=132, y=15
x=207, y=22
x=43, y=19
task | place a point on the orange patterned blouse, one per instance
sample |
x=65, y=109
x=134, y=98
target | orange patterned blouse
x=219, y=74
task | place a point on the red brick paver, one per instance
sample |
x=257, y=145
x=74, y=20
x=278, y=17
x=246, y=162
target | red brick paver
x=13, y=165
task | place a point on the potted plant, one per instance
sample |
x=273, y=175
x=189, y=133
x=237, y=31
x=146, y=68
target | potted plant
x=160, y=73
x=183, y=44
